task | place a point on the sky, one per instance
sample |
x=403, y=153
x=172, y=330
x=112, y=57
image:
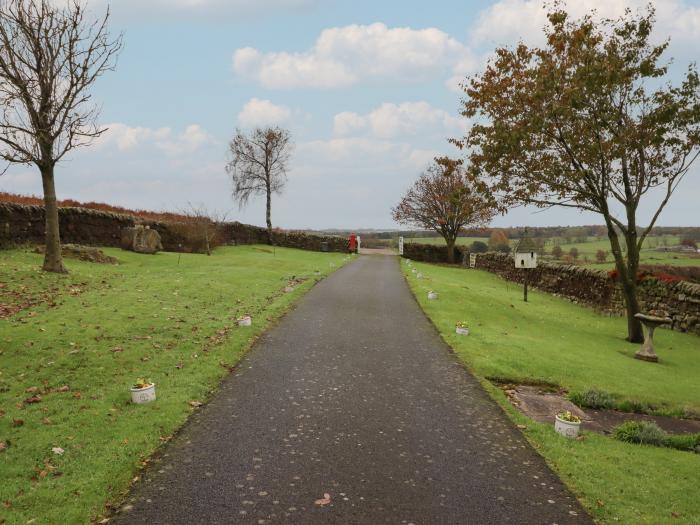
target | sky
x=368, y=89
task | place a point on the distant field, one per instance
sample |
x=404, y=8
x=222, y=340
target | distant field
x=461, y=241
x=588, y=249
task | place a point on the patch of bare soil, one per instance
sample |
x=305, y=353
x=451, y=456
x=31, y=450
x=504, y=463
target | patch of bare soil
x=83, y=253
x=543, y=405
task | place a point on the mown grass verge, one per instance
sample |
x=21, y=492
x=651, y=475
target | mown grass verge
x=552, y=341
x=167, y=317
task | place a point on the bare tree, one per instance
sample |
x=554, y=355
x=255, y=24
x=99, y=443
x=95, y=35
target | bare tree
x=443, y=199
x=200, y=228
x=258, y=165
x=49, y=58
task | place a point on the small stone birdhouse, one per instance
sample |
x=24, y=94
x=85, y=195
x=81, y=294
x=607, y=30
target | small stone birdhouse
x=525, y=253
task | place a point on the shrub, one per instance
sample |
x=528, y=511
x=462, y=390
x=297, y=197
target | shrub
x=649, y=433
x=641, y=432
x=557, y=252
x=501, y=248
x=593, y=399
x=479, y=247
x=573, y=252
x=601, y=256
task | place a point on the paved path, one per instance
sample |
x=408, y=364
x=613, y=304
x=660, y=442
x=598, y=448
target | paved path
x=353, y=394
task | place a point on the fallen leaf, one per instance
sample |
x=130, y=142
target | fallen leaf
x=3, y=446
x=195, y=404
x=600, y=503
x=323, y=501
x=34, y=399
x=17, y=422
x=64, y=388
x=522, y=427
x=77, y=395
x=58, y=451
x=676, y=514
x=32, y=389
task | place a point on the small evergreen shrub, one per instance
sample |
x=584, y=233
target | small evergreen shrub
x=593, y=399
x=649, y=433
x=641, y=432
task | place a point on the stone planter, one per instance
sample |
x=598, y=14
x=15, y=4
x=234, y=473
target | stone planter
x=462, y=331
x=432, y=295
x=245, y=321
x=567, y=429
x=143, y=395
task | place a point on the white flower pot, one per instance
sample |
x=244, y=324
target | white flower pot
x=567, y=429
x=432, y=295
x=419, y=276
x=317, y=272
x=462, y=331
x=413, y=270
x=143, y=395
x=245, y=321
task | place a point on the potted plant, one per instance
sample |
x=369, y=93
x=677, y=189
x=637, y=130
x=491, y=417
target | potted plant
x=432, y=295
x=567, y=424
x=461, y=328
x=246, y=320
x=143, y=391
x=413, y=270
x=317, y=272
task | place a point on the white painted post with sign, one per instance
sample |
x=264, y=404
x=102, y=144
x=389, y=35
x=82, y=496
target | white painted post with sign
x=400, y=245
x=472, y=260
x=359, y=244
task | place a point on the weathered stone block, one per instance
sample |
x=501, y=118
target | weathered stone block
x=141, y=239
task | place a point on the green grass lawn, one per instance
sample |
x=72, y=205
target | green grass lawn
x=166, y=317
x=589, y=249
x=550, y=339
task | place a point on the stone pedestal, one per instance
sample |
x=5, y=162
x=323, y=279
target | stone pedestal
x=646, y=353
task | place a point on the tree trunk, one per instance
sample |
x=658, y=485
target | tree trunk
x=627, y=271
x=450, y=250
x=269, y=216
x=635, y=334
x=53, y=260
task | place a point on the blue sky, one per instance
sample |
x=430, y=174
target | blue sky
x=367, y=89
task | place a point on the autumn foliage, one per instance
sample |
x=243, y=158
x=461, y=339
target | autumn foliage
x=444, y=199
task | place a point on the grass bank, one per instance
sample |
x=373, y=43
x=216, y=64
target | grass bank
x=79, y=341
x=552, y=340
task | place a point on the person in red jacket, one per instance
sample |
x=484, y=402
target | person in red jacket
x=352, y=245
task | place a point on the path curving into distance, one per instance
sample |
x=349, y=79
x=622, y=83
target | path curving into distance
x=353, y=394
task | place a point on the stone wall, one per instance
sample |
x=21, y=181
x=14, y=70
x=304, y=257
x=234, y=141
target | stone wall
x=430, y=252
x=21, y=224
x=680, y=300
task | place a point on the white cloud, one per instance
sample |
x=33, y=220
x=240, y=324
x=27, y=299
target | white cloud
x=343, y=56
x=127, y=138
x=391, y=120
x=257, y=112
x=508, y=21
x=232, y=10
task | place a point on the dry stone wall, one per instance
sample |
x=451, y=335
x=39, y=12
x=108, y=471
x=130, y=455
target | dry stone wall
x=21, y=224
x=680, y=300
